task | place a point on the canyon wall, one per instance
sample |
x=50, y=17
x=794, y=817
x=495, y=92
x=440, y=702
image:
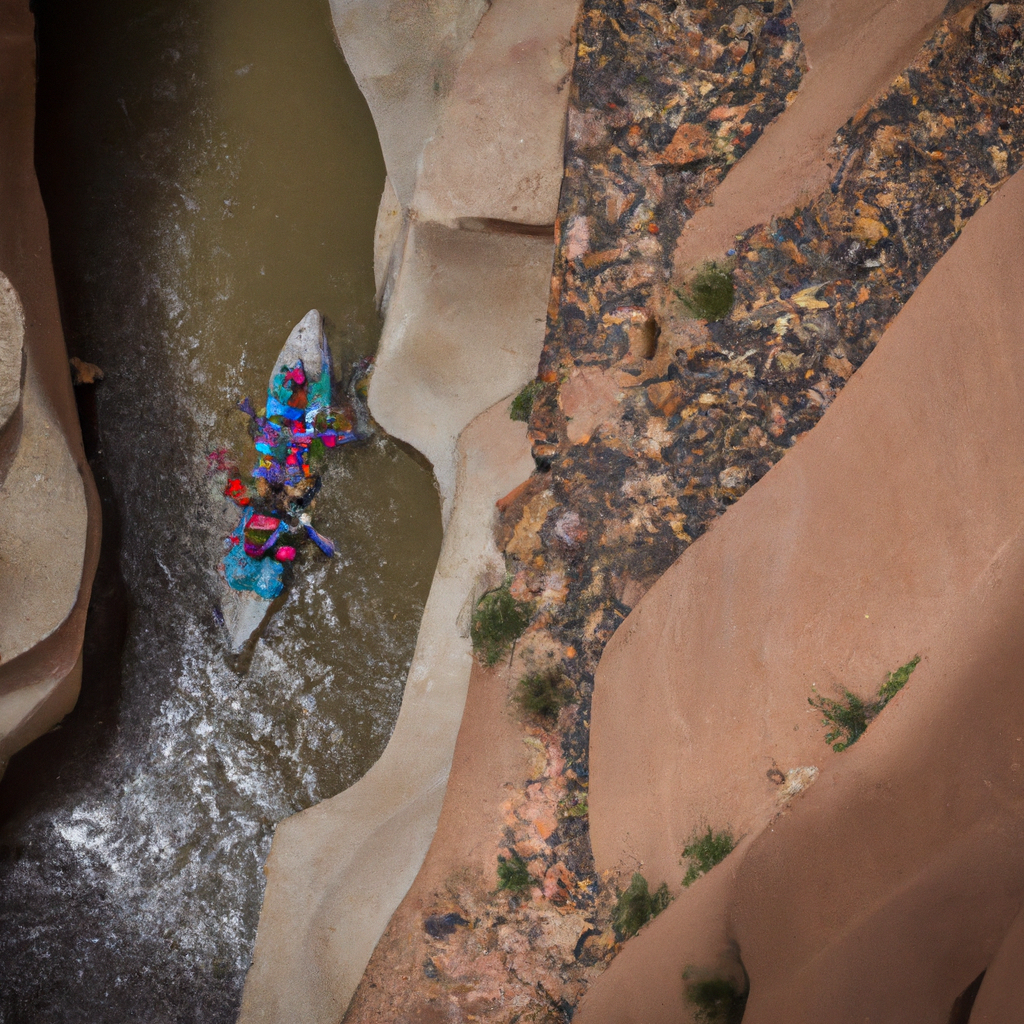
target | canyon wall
x=887, y=882
x=49, y=545
x=827, y=572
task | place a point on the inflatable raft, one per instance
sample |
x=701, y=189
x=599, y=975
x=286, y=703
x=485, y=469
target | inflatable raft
x=291, y=434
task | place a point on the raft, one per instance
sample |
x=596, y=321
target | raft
x=298, y=417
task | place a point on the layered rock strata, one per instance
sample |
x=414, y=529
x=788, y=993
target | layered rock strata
x=50, y=539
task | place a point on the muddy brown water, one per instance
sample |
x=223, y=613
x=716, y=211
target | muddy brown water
x=211, y=173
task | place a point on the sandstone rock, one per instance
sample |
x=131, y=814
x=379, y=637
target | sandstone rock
x=589, y=398
x=734, y=478
x=665, y=397
x=12, y=335
x=872, y=230
x=85, y=373
x=497, y=153
x=41, y=555
x=464, y=329
x=405, y=59
x=50, y=542
x=526, y=538
x=691, y=142
x=386, y=244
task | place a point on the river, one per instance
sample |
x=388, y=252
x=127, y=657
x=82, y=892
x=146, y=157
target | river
x=211, y=172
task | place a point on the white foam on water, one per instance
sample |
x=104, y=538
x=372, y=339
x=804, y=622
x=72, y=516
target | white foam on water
x=161, y=850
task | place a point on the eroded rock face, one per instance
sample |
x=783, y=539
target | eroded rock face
x=12, y=353
x=497, y=155
x=462, y=332
x=405, y=58
x=464, y=255
x=646, y=436
x=50, y=542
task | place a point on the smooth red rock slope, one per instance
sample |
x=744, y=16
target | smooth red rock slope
x=895, y=528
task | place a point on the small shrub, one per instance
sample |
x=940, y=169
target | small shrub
x=637, y=905
x=717, y=1001
x=543, y=694
x=710, y=295
x=522, y=404
x=513, y=873
x=895, y=681
x=575, y=806
x=499, y=620
x=848, y=718
x=705, y=851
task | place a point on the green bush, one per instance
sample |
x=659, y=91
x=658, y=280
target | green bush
x=710, y=295
x=848, y=718
x=513, y=873
x=637, y=905
x=522, y=404
x=717, y=1001
x=543, y=694
x=574, y=806
x=705, y=851
x=499, y=620
x=895, y=681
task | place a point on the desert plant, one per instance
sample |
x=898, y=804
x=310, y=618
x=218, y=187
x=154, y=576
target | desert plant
x=717, y=1001
x=513, y=874
x=574, y=806
x=498, y=621
x=895, y=681
x=848, y=718
x=705, y=850
x=543, y=693
x=709, y=296
x=637, y=905
x=522, y=404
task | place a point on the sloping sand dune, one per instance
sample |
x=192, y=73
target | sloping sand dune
x=894, y=529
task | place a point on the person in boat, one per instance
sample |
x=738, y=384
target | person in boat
x=291, y=437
